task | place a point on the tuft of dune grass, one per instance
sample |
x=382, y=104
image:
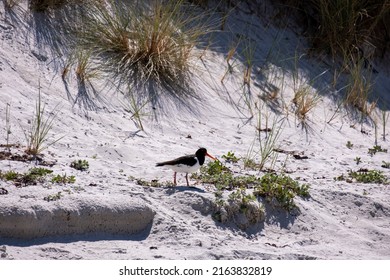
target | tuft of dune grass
x=146, y=47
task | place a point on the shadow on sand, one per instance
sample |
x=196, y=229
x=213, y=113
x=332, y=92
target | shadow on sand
x=89, y=237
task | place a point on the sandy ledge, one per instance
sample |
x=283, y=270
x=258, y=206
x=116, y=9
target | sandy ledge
x=85, y=214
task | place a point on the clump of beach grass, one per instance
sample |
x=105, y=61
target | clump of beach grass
x=38, y=133
x=146, y=47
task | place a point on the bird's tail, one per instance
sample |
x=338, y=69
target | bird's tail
x=160, y=164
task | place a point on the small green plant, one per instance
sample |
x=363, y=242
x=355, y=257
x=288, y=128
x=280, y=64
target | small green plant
x=151, y=183
x=358, y=160
x=240, y=196
x=63, y=179
x=376, y=149
x=40, y=172
x=385, y=164
x=32, y=177
x=53, y=197
x=364, y=176
x=80, y=164
x=230, y=157
x=9, y=175
x=368, y=176
x=250, y=164
x=342, y=178
x=247, y=204
x=241, y=207
x=349, y=144
x=280, y=190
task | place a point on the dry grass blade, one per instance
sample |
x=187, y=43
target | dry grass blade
x=304, y=102
x=7, y=123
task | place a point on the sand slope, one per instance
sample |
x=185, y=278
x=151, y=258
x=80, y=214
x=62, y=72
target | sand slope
x=106, y=215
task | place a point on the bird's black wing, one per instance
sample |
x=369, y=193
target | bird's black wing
x=189, y=160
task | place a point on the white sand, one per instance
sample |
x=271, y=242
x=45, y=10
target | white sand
x=105, y=215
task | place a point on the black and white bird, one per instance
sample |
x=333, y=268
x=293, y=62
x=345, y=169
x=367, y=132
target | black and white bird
x=187, y=164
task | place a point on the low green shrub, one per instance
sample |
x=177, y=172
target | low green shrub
x=81, y=165
x=280, y=190
x=364, y=176
x=230, y=157
x=32, y=177
x=53, y=197
x=376, y=149
x=368, y=176
x=63, y=179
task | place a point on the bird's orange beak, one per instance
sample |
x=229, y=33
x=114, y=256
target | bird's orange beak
x=211, y=156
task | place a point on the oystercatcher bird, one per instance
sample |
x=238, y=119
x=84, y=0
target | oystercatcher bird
x=187, y=164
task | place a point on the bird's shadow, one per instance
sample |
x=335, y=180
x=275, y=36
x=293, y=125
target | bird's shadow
x=172, y=190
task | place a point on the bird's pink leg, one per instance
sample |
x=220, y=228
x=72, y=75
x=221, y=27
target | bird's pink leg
x=187, y=180
x=174, y=178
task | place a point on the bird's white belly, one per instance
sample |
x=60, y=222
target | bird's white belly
x=185, y=168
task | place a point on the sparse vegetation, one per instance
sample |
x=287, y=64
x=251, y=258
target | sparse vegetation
x=304, y=101
x=264, y=145
x=32, y=177
x=151, y=183
x=376, y=149
x=359, y=87
x=248, y=54
x=241, y=207
x=250, y=164
x=80, y=164
x=9, y=175
x=364, y=176
x=280, y=190
x=37, y=135
x=136, y=107
x=368, y=176
x=63, y=179
x=385, y=164
x=53, y=197
x=358, y=160
x=148, y=50
x=230, y=157
x=337, y=27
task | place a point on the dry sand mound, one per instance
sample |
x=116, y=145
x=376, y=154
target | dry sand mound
x=86, y=214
